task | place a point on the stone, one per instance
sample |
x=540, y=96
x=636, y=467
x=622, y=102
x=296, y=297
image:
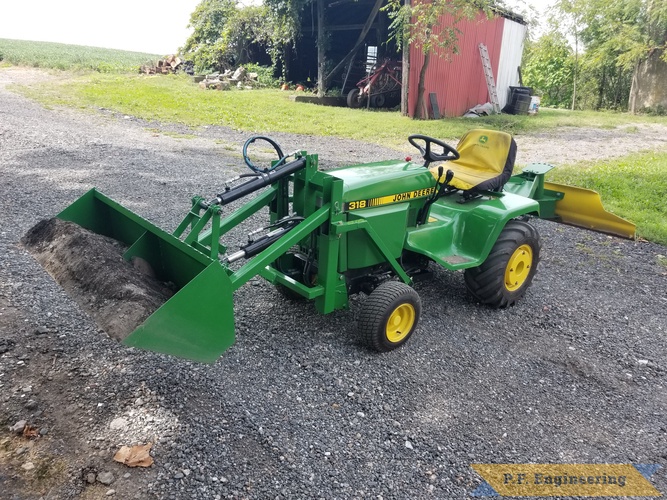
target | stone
x=30, y=405
x=240, y=73
x=105, y=478
x=90, y=478
x=118, y=424
x=28, y=466
x=18, y=426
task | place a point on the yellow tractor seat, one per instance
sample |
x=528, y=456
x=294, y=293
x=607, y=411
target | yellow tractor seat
x=486, y=161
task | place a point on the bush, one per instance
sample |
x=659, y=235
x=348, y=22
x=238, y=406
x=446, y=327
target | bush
x=265, y=74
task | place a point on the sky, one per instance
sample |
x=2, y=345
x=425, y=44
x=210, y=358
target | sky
x=152, y=26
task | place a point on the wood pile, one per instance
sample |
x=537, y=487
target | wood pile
x=240, y=78
x=164, y=66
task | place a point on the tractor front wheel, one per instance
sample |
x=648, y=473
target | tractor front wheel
x=389, y=316
x=509, y=269
x=353, y=99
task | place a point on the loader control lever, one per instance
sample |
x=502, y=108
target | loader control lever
x=448, y=152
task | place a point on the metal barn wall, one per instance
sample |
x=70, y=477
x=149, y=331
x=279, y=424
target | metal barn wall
x=459, y=81
x=514, y=35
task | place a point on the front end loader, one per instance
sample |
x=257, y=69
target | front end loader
x=371, y=228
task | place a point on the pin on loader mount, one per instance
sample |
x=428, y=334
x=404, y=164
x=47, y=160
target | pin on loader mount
x=371, y=228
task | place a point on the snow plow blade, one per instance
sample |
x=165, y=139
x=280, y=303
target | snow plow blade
x=583, y=208
x=197, y=322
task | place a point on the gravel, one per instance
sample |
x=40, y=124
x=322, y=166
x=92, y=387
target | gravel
x=297, y=408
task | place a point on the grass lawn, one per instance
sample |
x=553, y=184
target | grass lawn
x=174, y=98
x=634, y=187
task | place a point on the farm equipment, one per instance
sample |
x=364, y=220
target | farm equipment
x=382, y=86
x=371, y=228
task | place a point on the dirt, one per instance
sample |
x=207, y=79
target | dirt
x=119, y=294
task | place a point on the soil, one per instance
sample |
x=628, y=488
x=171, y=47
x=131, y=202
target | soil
x=573, y=373
x=119, y=294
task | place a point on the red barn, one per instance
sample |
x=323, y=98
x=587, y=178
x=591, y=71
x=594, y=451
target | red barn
x=458, y=81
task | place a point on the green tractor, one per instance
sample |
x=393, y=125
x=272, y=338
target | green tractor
x=372, y=228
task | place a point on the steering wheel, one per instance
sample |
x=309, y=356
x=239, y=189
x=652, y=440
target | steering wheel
x=448, y=152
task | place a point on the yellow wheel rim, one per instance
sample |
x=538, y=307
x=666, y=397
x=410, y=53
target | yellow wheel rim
x=400, y=322
x=518, y=267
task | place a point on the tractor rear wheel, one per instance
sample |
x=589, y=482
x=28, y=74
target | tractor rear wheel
x=389, y=316
x=508, y=271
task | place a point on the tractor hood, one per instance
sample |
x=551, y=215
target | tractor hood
x=375, y=180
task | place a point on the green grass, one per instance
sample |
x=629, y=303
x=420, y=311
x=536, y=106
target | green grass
x=633, y=187
x=70, y=57
x=177, y=99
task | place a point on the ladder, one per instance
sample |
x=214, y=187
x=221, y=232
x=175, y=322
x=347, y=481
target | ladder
x=488, y=74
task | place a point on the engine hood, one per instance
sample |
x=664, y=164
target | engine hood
x=376, y=180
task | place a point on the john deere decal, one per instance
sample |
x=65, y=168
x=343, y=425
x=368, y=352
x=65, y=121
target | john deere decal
x=386, y=200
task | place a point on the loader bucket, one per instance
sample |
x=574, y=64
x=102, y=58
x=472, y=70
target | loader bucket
x=197, y=322
x=583, y=208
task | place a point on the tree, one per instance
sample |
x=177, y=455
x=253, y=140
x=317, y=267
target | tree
x=418, y=23
x=206, y=45
x=226, y=35
x=625, y=36
x=548, y=68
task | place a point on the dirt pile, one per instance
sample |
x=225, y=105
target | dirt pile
x=118, y=294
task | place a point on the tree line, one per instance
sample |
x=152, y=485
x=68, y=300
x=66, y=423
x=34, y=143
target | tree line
x=598, y=54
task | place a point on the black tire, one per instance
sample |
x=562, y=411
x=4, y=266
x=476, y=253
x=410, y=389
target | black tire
x=509, y=269
x=378, y=101
x=391, y=306
x=353, y=100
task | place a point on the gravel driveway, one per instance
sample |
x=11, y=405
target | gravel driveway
x=575, y=373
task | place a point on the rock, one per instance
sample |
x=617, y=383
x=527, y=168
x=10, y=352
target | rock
x=90, y=478
x=118, y=424
x=408, y=445
x=18, y=426
x=139, y=402
x=28, y=466
x=43, y=431
x=30, y=405
x=179, y=475
x=105, y=478
x=642, y=362
x=41, y=330
x=240, y=73
x=110, y=492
